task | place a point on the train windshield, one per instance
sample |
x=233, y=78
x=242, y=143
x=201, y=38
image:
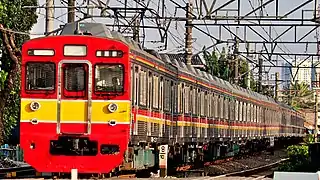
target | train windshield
x=109, y=78
x=40, y=76
x=74, y=77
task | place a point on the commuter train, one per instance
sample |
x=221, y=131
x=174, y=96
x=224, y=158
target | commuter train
x=95, y=101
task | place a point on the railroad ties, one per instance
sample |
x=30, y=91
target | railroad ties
x=207, y=178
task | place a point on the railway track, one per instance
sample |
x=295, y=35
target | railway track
x=15, y=172
x=260, y=173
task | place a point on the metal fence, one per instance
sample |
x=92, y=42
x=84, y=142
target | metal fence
x=12, y=152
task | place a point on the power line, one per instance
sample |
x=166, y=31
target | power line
x=250, y=2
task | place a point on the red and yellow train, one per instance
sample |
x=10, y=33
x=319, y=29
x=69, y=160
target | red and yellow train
x=94, y=100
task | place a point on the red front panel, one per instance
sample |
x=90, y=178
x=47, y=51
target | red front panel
x=65, y=112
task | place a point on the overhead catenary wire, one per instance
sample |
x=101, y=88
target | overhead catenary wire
x=250, y=2
x=174, y=37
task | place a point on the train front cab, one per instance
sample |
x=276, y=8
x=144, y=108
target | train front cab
x=75, y=103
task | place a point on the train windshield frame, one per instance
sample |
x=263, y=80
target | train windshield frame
x=109, y=78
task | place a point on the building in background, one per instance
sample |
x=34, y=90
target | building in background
x=303, y=74
x=285, y=75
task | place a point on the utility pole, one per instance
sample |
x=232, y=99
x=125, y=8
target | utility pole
x=136, y=29
x=260, y=75
x=236, y=59
x=249, y=73
x=188, y=40
x=276, y=93
x=316, y=88
x=316, y=117
x=49, y=16
x=71, y=10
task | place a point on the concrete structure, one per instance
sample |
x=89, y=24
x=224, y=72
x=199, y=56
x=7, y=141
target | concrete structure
x=296, y=176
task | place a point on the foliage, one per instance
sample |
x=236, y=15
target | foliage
x=309, y=139
x=299, y=96
x=219, y=65
x=298, y=159
x=16, y=18
x=212, y=61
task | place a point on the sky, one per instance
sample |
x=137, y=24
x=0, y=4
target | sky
x=176, y=34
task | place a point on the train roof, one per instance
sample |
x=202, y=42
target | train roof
x=95, y=29
x=177, y=60
x=195, y=60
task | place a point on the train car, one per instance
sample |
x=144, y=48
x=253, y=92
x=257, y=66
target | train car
x=96, y=101
x=75, y=103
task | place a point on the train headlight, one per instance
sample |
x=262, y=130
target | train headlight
x=112, y=107
x=35, y=106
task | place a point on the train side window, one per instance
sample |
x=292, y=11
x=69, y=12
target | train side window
x=236, y=112
x=150, y=90
x=155, y=92
x=40, y=76
x=186, y=101
x=132, y=88
x=240, y=110
x=203, y=104
x=191, y=100
x=213, y=105
x=143, y=88
x=109, y=78
x=136, y=86
x=248, y=112
x=197, y=100
x=218, y=108
x=173, y=98
x=208, y=99
x=166, y=95
x=226, y=108
x=256, y=113
x=244, y=110
x=179, y=98
x=161, y=93
x=252, y=112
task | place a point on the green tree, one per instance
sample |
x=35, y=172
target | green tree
x=219, y=65
x=298, y=159
x=224, y=69
x=13, y=17
x=212, y=61
x=299, y=96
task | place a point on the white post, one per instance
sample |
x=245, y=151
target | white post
x=74, y=174
x=163, y=160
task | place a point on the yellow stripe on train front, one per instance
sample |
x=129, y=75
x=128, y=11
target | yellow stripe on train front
x=47, y=111
x=76, y=111
x=100, y=112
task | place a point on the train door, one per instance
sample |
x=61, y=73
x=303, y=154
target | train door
x=74, y=97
